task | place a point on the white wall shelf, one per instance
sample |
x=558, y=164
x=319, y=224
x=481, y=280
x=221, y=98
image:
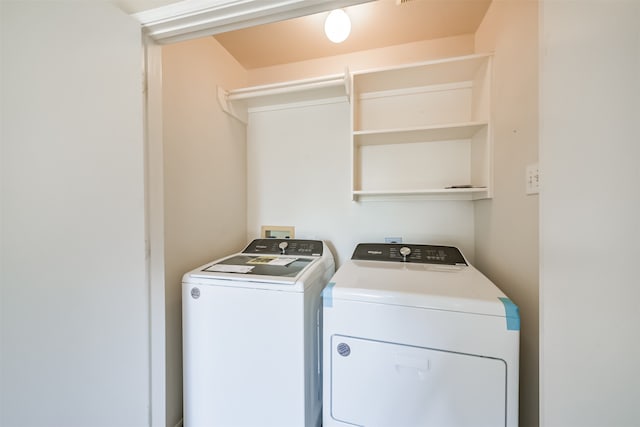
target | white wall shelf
x=422, y=74
x=419, y=134
x=416, y=130
x=473, y=193
x=420, y=128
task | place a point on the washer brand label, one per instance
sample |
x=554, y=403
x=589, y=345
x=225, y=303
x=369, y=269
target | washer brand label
x=374, y=252
x=195, y=293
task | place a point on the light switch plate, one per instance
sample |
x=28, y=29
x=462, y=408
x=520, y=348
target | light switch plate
x=533, y=179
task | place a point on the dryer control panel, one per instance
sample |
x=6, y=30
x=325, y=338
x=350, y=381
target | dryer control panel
x=398, y=252
x=293, y=247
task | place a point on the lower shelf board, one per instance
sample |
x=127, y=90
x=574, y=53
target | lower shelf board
x=468, y=193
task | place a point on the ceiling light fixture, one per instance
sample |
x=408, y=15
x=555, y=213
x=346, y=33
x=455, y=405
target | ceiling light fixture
x=337, y=26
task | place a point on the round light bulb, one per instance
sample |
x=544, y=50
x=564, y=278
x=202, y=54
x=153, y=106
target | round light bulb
x=337, y=26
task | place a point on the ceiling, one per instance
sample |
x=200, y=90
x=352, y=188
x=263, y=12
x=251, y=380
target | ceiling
x=376, y=24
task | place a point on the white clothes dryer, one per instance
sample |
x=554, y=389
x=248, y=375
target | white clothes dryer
x=415, y=336
x=251, y=336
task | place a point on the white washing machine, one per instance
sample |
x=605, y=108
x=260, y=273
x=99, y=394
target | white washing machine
x=415, y=336
x=251, y=336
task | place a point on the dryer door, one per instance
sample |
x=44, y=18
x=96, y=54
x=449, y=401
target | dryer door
x=379, y=384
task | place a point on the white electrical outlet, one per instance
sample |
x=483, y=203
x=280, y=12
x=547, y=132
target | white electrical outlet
x=533, y=179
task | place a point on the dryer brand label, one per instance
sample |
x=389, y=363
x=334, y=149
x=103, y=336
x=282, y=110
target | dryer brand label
x=343, y=349
x=195, y=293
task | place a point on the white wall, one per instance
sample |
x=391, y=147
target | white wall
x=506, y=227
x=74, y=306
x=204, y=179
x=590, y=210
x=299, y=174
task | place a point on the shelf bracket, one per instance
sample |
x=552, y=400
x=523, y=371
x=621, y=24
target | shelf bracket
x=228, y=107
x=347, y=83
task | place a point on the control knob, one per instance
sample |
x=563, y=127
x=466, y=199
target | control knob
x=283, y=246
x=405, y=251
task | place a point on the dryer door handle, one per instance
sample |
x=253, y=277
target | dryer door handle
x=405, y=363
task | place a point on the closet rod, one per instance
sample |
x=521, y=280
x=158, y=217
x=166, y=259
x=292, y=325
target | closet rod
x=287, y=87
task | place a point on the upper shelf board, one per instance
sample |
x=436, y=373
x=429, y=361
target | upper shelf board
x=442, y=71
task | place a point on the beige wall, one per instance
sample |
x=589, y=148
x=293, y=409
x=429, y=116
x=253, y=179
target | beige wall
x=363, y=60
x=507, y=226
x=204, y=179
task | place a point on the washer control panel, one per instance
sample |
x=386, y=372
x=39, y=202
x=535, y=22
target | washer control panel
x=293, y=247
x=398, y=252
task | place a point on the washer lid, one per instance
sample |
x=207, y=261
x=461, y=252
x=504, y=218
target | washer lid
x=256, y=268
x=439, y=287
x=269, y=261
